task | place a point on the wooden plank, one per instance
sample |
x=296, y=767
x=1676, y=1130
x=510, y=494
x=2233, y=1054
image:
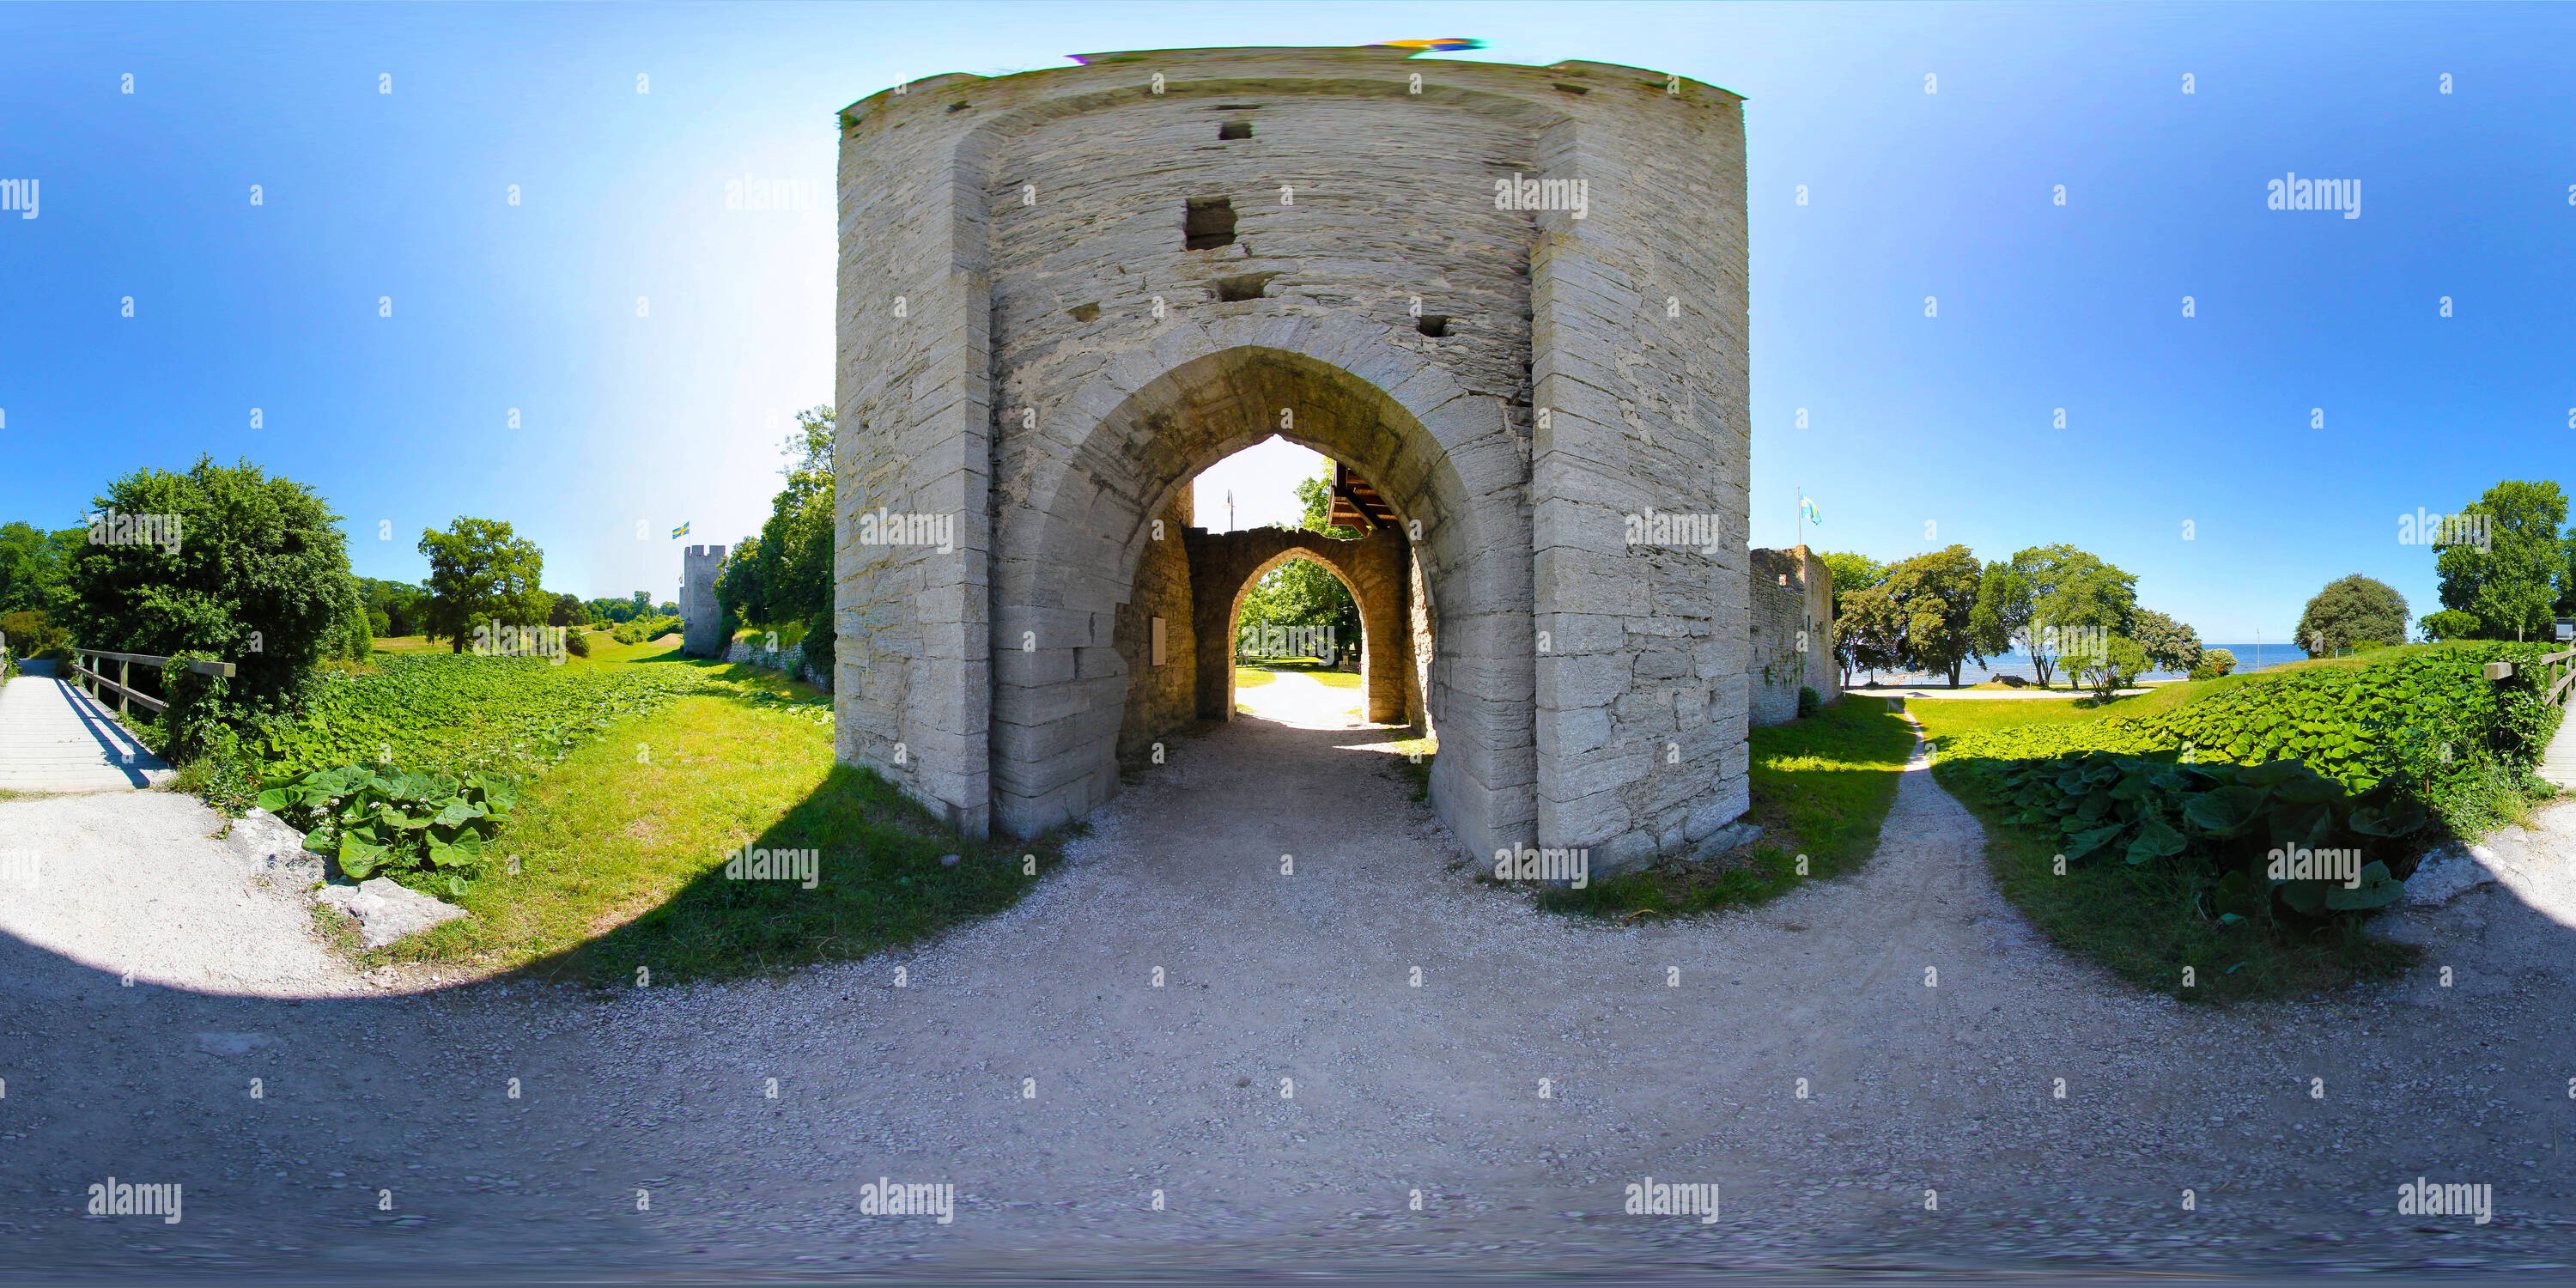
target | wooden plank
x=2547, y=658
x=2499, y=670
x=224, y=669
x=157, y=705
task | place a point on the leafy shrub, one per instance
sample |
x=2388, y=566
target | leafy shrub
x=8, y=666
x=2364, y=646
x=2450, y=624
x=247, y=554
x=2113, y=669
x=2229, y=827
x=398, y=823
x=32, y=633
x=2213, y=664
x=577, y=642
x=1808, y=702
x=2429, y=724
x=222, y=775
x=643, y=629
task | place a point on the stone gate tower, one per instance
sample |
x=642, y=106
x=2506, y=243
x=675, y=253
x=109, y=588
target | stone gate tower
x=701, y=618
x=1511, y=299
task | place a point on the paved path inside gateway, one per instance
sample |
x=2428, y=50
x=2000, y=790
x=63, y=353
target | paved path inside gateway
x=1289, y=1088
x=54, y=738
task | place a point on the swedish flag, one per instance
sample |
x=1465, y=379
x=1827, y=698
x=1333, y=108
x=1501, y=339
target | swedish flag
x=679, y=532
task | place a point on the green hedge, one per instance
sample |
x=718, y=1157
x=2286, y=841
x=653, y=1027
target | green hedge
x=2427, y=723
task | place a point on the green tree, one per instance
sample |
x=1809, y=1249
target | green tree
x=2449, y=624
x=257, y=575
x=1852, y=574
x=568, y=610
x=1938, y=594
x=2038, y=600
x=2353, y=608
x=785, y=574
x=2110, y=670
x=1870, y=631
x=2512, y=584
x=482, y=574
x=399, y=602
x=33, y=564
x=2168, y=644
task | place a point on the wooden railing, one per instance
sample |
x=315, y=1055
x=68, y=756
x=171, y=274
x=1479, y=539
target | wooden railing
x=2556, y=670
x=125, y=664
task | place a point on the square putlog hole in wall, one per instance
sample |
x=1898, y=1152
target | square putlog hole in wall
x=1432, y=324
x=1235, y=130
x=1250, y=286
x=1209, y=223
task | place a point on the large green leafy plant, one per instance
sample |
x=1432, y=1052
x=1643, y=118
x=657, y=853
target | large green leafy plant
x=2222, y=824
x=396, y=823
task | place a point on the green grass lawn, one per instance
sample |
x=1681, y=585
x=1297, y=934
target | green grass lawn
x=621, y=847
x=1821, y=788
x=2143, y=923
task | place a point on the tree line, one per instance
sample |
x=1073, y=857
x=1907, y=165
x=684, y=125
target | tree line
x=781, y=579
x=2065, y=609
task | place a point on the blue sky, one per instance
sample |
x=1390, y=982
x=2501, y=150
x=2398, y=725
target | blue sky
x=676, y=414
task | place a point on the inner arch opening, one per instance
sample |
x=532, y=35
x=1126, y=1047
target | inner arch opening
x=1293, y=595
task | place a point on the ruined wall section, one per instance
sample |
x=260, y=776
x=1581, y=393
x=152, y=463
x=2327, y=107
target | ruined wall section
x=1791, y=608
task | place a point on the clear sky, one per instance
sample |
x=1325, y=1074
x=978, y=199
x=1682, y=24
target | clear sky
x=654, y=343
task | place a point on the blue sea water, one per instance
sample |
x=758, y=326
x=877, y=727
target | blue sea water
x=2272, y=655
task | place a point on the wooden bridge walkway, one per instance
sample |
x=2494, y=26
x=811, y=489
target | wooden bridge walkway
x=55, y=738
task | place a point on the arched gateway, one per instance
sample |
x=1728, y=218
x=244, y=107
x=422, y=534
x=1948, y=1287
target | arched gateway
x=1510, y=298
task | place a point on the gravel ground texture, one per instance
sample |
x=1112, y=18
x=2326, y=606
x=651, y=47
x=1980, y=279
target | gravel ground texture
x=1297, y=1101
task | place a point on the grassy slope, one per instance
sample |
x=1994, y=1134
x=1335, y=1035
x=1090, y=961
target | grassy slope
x=621, y=849
x=1821, y=787
x=2141, y=923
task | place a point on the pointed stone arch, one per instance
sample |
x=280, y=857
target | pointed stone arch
x=1078, y=510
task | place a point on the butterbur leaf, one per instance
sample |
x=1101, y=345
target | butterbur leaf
x=456, y=886
x=2394, y=821
x=2304, y=896
x=2377, y=890
x=2224, y=810
x=359, y=859
x=2156, y=840
x=272, y=799
x=2084, y=843
x=457, y=811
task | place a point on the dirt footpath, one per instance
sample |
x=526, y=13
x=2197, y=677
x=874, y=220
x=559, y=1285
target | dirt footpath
x=1289, y=1088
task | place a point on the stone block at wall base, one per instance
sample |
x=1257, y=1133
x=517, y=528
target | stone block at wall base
x=1742, y=831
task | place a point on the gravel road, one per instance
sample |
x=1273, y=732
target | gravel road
x=1031, y=1062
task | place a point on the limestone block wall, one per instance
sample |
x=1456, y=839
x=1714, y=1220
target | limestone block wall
x=1792, y=595
x=1640, y=360
x=1161, y=699
x=1376, y=570
x=701, y=622
x=1030, y=340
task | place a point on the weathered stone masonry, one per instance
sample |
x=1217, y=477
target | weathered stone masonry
x=1793, y=647
x=1026, y=341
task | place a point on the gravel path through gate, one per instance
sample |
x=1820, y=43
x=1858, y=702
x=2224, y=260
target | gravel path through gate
x=1672, y=1051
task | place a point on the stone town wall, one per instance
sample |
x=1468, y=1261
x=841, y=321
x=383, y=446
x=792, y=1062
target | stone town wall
x=1792, y=607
